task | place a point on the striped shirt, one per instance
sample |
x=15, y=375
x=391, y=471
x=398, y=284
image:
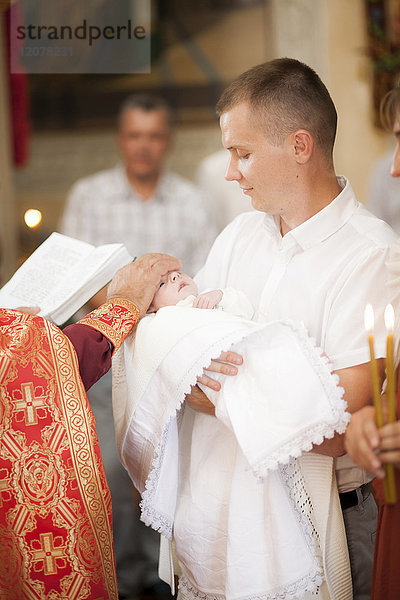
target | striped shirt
x=104, y=208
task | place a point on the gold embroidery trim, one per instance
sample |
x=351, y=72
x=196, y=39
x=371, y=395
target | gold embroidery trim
x=114, y=319
x=72, y=397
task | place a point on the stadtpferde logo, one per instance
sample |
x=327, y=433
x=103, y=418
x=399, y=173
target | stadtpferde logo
x=71, y=36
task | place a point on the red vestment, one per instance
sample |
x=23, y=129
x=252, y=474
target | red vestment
x=386, y=570
x=55, y=505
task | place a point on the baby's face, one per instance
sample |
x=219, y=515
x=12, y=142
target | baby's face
x=174, y=286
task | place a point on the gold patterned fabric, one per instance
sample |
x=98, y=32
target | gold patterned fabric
x=55, y=505
x=114, y=319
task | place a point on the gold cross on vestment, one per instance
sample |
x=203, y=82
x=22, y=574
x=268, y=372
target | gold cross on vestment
x=48, y=553
x=29, y=403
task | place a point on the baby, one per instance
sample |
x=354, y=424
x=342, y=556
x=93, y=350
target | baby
x=227, y=492
x=177, y=288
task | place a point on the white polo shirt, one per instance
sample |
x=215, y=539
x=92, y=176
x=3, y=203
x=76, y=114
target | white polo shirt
x=323, y=273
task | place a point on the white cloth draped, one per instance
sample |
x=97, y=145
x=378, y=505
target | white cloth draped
x=230, y=490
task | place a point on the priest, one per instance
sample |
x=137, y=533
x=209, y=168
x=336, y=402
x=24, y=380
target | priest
x=55, y=507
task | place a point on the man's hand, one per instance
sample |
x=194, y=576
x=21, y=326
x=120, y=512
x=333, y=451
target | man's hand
x=208, y=299
x=138, y=281
x=224, y=364
x=362, y=440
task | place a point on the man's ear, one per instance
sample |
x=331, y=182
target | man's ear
x=302, y=143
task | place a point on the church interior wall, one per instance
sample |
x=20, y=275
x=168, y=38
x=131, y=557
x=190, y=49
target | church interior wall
x=328, y=34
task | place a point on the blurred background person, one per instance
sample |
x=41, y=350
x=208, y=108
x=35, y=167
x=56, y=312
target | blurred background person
x=139, y=203
x=384, y=192
x=148, y=208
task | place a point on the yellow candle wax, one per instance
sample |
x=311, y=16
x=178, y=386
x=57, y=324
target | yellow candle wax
x=390, y=372
x=390, y=478
x=376, y=386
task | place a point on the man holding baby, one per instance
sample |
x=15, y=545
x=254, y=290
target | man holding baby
x=310, y=253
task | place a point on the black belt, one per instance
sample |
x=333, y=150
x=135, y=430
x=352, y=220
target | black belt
x=349, y=499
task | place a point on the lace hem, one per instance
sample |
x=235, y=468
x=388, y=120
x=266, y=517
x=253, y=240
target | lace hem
x=293, y=482
x=304, y=441
x=292, y=591
x=149, y=514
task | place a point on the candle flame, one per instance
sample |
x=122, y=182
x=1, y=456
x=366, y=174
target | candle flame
x=369, y=318
x=389, y=318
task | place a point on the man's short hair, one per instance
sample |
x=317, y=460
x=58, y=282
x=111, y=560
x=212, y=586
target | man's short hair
x=147, y=103
x=390, y=107
x=286, y=95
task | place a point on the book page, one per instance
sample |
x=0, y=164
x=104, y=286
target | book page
x=83, y=272
x=49, y=268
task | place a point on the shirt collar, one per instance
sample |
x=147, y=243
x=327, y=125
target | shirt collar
x=321, y=225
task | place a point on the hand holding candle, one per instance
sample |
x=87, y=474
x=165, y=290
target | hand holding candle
x=376, y=386
x=389, y=481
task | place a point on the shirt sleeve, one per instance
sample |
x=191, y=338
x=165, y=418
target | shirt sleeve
x=345, y=339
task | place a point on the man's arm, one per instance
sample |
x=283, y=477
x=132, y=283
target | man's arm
x=357, y=385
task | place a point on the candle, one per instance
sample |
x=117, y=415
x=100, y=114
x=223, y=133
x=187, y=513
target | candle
x=390, y=374
x=390, y=479
x=389, y=483
x=376, y=387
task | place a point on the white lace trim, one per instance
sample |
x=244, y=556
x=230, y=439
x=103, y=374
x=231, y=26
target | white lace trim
x=149, y=515
x=295, y=590
x=304, y=441
x=293, y=482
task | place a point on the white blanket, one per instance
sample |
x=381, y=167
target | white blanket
x=229, y=489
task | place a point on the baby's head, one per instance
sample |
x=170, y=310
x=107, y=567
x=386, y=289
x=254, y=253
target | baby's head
x=174, y=286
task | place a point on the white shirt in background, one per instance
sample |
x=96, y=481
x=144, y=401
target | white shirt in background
x=225, y=199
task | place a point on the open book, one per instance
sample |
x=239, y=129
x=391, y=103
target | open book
x=62, y=275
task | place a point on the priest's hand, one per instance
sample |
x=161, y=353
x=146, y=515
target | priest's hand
x=30, y=310
x=225, y=364
x=138, y=281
